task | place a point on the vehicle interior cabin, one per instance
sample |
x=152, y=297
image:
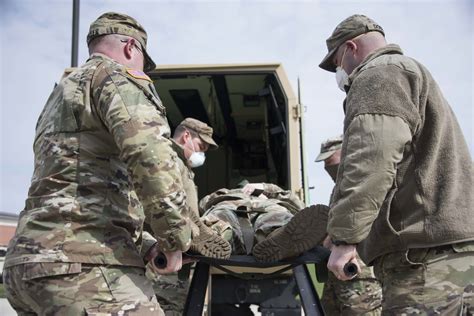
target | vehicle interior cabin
x=247, y=108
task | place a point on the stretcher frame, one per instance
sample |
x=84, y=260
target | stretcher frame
x=309, y=298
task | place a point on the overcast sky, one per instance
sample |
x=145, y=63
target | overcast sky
x=35, y=47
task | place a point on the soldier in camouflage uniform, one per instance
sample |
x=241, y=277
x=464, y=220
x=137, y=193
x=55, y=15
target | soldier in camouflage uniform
x=191, y=139
x=102, y=161
x=246, y=216
x=363, y=294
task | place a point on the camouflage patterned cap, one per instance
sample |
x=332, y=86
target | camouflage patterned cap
x=329, y=147
x=118, y=23
x=351, y=27
x=204, y=131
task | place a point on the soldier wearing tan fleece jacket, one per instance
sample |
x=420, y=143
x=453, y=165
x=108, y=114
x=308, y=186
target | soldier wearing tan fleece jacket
x=403, y=195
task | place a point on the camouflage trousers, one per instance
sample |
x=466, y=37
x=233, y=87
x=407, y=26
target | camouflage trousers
x=79, y=289
x=359, y=296
x=228, y=221
x=171, y=290
x=431, y=281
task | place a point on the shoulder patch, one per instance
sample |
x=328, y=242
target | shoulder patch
x=138, y=74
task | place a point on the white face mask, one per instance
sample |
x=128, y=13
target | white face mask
x=342, y=78
x=197, y=158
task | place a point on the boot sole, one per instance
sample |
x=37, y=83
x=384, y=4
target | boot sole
x=208, y=243
x=302, y=233
x=214, y=247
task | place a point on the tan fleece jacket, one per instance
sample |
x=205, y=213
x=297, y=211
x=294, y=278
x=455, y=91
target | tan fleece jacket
x=405, y=178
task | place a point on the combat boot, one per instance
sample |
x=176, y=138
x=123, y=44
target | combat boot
x=305, y=230
x=207, y=242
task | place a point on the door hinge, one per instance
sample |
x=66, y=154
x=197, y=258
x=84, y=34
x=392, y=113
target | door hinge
x=297, y=111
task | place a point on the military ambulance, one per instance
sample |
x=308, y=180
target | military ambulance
x=256, y=119
x=257, y=122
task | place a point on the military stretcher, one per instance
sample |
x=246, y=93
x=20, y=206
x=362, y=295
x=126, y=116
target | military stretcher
x=241, y=280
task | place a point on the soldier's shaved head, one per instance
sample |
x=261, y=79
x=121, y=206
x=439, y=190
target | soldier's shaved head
x=357, y=49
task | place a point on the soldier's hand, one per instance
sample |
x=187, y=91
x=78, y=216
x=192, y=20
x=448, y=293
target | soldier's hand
x=340, y=255
x=174, y=262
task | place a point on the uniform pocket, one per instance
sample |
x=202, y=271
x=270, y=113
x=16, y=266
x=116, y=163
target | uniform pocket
x=47, y=269
x=127, y=283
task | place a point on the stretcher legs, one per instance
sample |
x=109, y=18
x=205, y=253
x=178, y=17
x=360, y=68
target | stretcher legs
x=304, y=285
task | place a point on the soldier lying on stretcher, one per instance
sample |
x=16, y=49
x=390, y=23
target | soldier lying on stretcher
x=252, y=214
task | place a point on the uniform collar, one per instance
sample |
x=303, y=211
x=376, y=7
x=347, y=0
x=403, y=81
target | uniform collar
x=390, y=49
x=101, y=56
x=178, y=148
x=180, y=151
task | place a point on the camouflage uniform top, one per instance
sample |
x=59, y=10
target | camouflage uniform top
x=235, y=198
x=101, y=137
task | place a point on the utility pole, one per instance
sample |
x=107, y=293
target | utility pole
x=75, y=32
